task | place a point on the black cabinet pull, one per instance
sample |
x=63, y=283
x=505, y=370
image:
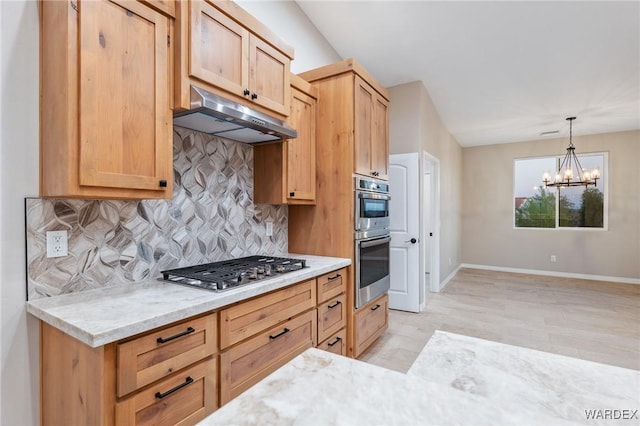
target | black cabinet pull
x=292, y=194
x=168, y=339
x=246, y=92
x=375, y=307
x=285, y=331
x=335, y=342
x=334, y=305
x=335, y=277
x=162, y=183
x=187, y=382
x=254, y=95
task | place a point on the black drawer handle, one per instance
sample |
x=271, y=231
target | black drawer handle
x=246, y=92
x=292, y=194
x=334, y=305
x=334, y=343
x=187, y=382
x=375, y=307
x=168, y=339
x=162, y=183
x=285, y=331
x=335, y=277
x=254, y=95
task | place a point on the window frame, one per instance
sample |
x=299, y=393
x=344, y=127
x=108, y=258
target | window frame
x=557, y=227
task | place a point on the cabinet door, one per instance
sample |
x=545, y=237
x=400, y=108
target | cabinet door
x=363, y=119
x=269, y=76
x=184, y=398
x=245, y=319
x=301, y=151
x=336, y=343
x=332, y=316
x=219, y=50
x=247, y=363
x=155, y=355
x=380, y=139
x=125, y=115
x=370, y=322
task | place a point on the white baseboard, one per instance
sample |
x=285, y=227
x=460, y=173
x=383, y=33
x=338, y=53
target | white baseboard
x=449, y=277
x=624, y=280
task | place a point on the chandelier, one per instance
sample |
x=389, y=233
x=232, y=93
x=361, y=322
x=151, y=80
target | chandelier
x=570, y=172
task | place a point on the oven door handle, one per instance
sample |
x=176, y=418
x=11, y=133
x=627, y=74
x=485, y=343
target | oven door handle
x=374, y=196
x=376, y=242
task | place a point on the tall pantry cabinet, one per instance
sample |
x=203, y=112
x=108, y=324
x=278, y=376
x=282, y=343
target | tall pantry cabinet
x=352, y=139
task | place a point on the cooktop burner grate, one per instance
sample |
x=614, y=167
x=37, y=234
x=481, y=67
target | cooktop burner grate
x=228, y=274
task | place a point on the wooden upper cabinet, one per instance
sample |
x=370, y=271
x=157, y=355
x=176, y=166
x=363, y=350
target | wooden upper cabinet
x=371, y=122
x=380, y=139
x=219, y=49
x=359, y=106
x=269, y=76
x=285, y=172
x=223, y=49
x=105, y=107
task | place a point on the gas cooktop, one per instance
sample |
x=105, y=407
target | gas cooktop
x=229, y=274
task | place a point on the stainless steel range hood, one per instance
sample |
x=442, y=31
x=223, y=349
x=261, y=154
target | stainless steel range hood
x=218, y=116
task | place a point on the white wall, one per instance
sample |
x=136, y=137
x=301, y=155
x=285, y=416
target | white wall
x=415, y=126
x=490, y=239
x=18, y=178
x=286, y=19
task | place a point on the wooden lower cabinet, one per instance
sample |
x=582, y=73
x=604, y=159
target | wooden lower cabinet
x=336, y=344
x=245, y=319
x=332, y=316
x=184, y=398
x=246, y=363
x=158, y=354
x=332, y=284
x=169, y=376
x=370, y=322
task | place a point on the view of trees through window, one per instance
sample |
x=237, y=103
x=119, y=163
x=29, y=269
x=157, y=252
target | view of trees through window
x=574, y=207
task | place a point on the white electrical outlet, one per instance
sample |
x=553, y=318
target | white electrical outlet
x=269, y=228
x=553, y=258
x=57, y=244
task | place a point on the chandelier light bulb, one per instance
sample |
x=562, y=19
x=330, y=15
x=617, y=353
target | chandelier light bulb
x=568, y=174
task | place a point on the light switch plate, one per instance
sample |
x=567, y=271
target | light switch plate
x=269, y=228
x=57, y=243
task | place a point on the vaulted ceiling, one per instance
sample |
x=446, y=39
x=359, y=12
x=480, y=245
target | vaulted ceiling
x=500, y=71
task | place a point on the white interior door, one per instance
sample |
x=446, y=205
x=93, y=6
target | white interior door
x=404, y=293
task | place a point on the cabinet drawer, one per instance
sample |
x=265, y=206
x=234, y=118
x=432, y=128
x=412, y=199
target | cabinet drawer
x=158, y=354
x=254, y=316
x=248, y=362
x=183, y=398
x=370, y=322
x=332, y=316
x=331, y=284
x=336, y=343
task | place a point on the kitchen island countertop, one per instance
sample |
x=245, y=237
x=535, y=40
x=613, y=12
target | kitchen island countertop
x=101, y=316
x=455, y=380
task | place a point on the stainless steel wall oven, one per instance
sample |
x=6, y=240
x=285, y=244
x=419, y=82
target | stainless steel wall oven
x=371, y=204
x=372, y=239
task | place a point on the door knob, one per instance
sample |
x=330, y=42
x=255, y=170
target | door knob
x=412, y=241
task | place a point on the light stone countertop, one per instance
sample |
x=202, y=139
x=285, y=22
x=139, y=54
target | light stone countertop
x=455, y=380
x=101, y=316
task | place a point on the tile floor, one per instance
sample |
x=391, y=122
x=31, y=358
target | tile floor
x=592, y=320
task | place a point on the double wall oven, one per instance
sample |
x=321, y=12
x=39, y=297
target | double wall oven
x=372, y=239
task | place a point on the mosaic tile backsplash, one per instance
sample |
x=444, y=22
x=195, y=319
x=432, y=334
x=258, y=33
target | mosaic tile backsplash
x=211, y=217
